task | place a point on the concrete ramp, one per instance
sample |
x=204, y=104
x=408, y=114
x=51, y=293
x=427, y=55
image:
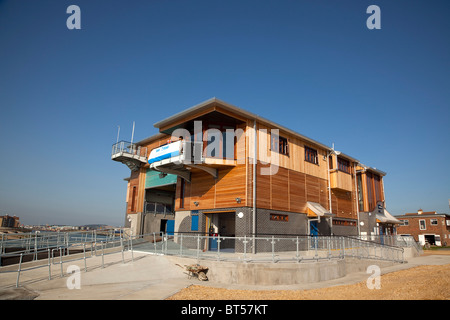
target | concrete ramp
x=150, y=277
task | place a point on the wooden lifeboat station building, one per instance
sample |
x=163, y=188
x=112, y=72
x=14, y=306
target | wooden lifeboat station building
x=218, y=169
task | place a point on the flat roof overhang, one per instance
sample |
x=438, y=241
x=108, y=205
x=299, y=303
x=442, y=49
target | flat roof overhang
x=215, y=104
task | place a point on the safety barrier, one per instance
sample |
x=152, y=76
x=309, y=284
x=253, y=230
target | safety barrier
x=48, y=254
x=269, y=248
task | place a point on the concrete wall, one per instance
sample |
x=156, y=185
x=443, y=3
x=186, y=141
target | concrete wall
x=270, y=274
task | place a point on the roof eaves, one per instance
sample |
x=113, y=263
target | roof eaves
x=239, y=111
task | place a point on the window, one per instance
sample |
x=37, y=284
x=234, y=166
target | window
x=422, y=225
x=133, y=200
x=220, y=141
x=404, y=222
x=311, y=155
x=182, y=191
x=377, y=185
x=434, y=222
x=279, y=217
x=370, y=191
x=343, y=165
x=279, y=145
x=360, y=192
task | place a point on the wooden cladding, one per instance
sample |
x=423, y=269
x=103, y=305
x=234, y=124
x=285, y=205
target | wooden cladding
x=205, y=192
x=136, y=191
x=285, y=190
x=289, y=190
x=301, y=176
x=341, y=180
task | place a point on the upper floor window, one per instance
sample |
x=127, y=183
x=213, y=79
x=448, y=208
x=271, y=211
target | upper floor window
x=343, y=165
x=279, y=145
x=311, y=155
x=433, y=222
x=422, y=225
x=404, y=222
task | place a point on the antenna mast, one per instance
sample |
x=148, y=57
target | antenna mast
x=132, y=133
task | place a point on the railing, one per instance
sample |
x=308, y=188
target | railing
x=265, y=248
x=394, y=240
x=68, y=250
x=30, y=243
x=128, y=148
x=247, y=249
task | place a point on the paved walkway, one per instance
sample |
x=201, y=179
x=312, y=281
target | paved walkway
x=149, y=277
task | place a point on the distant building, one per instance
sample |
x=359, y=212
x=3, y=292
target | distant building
x=426, y=227
x=9, y=222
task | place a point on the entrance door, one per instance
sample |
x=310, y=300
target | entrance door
x=170, y=227
x=314, y=232
x=313, y=228
x=213, y=231
x=223, y=224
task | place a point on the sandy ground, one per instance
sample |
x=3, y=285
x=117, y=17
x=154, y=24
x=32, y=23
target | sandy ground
x=429, y=282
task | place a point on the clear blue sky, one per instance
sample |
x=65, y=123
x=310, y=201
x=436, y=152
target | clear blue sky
x=382, y=96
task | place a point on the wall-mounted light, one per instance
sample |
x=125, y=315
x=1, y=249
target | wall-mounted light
x=196, y=203
x=238, y=200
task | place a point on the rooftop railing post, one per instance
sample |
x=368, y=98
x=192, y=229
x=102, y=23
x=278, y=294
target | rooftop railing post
x=131, y=246
x=84, y=256
x=273, y=248
x=18, y=271
x=35, y=246
x=103, y=254
x=60, y=262
x=121, y=248
x=218, y=247
x=181, y=245
x=315, y=247
x=49, y=265
x=329, y=247
x=198, y=247
x=67, y=237
x=245, y=247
